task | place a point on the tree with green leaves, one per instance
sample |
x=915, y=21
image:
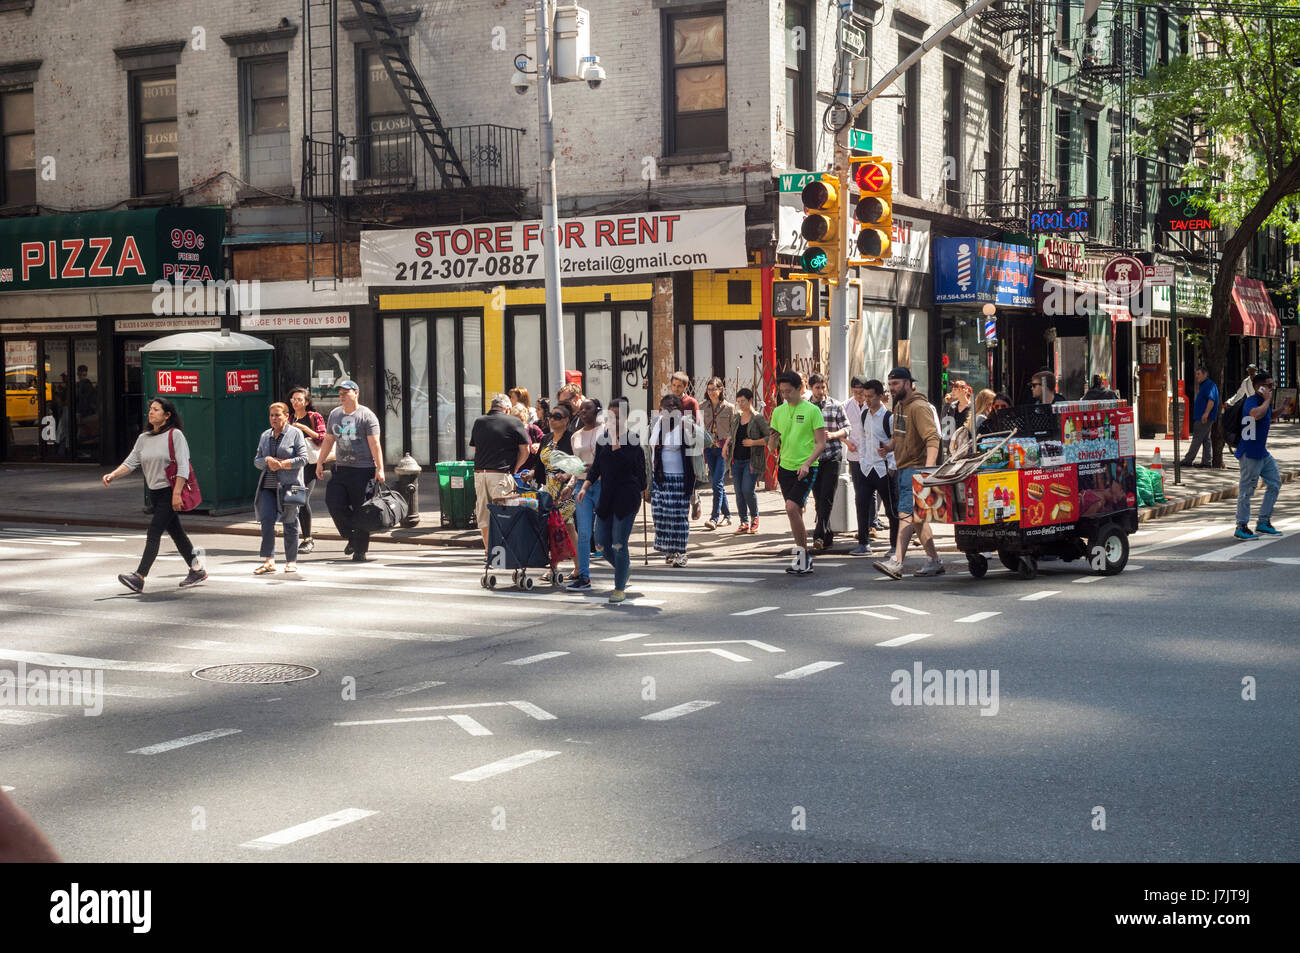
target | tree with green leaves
x=1246, y=94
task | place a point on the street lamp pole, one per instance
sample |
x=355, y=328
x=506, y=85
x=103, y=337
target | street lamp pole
x=546, y=191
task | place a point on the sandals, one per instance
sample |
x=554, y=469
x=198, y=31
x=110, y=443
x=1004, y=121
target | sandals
x=290, y=567
x=264, y=569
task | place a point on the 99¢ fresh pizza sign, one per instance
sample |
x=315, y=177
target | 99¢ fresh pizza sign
x=643, y=243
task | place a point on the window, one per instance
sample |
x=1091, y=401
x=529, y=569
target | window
x=797, y=153
x=995, y=104
x=1062, y=153
x=739, y=292
x=386, y=146
x=952, y=130
x=18, y=153
x=863, y=121
x=1162, y=36
x=157, y=167
x=265, y=84
x=909, y=124
x=1063, y=24
x=1090, y=156
x=696, y=74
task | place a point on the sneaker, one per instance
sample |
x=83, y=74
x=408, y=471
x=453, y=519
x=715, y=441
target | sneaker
x=725, y=521
x=710, y=523
x=818, y=545
x=680, y=560
x=931, y=569
x=1265, y=527
x=347, y=550
x=879, y=524
x=360, y=558
x=617, y=596
x=1243, y=532
x=132, y=580
x=670, y=559
x=890, y=567
x=581, y=584
x=193, y=578
x=306, y=545
x=863, y=550
x=742, y=528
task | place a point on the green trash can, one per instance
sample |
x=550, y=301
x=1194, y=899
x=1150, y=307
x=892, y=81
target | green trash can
x=220, y=382
x=456, y=493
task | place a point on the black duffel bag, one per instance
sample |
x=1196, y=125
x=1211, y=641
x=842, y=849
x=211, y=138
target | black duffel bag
x=384, y=510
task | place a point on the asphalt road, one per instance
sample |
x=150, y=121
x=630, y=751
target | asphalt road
x=728, y=712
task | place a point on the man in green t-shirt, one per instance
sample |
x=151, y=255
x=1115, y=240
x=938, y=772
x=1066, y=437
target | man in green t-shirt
x=799, y=434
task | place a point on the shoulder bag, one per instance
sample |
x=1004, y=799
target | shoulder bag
x=190, y=495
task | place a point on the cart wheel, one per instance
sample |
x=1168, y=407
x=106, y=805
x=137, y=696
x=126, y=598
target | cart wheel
x=483, y=581
x=528, y=582
x=491, y=582
x=514, y=577
x=1108, y=550
x=1028, y=567
x=1010, y=560
x=978, y=564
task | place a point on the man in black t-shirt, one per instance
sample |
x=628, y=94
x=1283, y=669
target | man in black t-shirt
x=500, y=448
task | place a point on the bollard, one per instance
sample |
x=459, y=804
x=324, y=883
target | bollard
x=408, y=484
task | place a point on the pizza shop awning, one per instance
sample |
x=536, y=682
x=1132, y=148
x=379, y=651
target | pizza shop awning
x=1253, y=315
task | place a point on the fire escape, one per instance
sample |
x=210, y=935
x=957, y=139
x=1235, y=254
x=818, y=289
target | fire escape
x=410, y=167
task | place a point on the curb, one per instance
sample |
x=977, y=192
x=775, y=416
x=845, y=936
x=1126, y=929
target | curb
x=1191, y=502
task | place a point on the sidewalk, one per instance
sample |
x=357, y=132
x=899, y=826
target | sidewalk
x=72, y=494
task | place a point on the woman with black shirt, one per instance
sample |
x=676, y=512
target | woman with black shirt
x=619, y=467
x=312, y=425
x=557, y=482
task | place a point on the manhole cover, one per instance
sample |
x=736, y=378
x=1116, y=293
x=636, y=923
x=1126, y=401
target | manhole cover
x=255, y=673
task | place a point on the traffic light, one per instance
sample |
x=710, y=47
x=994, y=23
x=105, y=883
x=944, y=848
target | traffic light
x=874, y=211
x=821, y=226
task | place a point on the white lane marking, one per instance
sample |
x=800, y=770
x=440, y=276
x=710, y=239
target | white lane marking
x=626, y=638
x=832, y=592
x=529, y=660
x=1179, y=540
x=187, y=740
x=469, y=724
x=140, y=691
x=528, y=708
x=677, y=711
x=756, y=644
x=478, y=571
x=406, y=690
x=1084, y=580
x=1284, y=560
x=848, y=611
x=21, y=716
x=388, y=721
x=1241, y=549
x=903, y=640
x=6, y=787
x=720, y=653
x=806, y=670
x=309, y=829
x=14, y=551
x=42, y=541
x=504, y=765
x=887, y=605
x=54, y=660
x=1042, y=594
x=978, y=616
x=758, y=611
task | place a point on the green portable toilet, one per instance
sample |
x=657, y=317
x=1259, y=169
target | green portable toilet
x=220, y=382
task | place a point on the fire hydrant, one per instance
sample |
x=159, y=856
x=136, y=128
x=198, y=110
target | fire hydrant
x=408, y=484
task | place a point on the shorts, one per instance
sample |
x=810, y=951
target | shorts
x=490, y=487
x=905, y=489
x=793, y=488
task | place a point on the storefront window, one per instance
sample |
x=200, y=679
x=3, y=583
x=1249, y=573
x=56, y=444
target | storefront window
x=472, y=406
x=394, y=384
x=419, y=385
x=598, y=365
x=964, y=347
x=86, y=400
x=444, y=395
x=21, y=405
x=330, y=359
x=742, y=361
x=634, y=358
x=918, y=334
x=527, y=344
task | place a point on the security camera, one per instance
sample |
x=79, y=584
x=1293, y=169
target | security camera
x=520, y=81
x=592, y=71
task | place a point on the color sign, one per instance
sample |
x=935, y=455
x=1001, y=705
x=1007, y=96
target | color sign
x=974, y=269
x=998, y=497
x=244, y=382
x=1179, y=212
x=178, y=382
x=1050, y=496
x=795, y=181
x=1060, y=220
x=1107, y=486
x=860, y=140
x=1123, y=276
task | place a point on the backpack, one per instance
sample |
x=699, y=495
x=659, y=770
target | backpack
x=1232, y=418
x=382, y=511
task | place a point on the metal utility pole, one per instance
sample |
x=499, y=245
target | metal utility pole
x=546, y=191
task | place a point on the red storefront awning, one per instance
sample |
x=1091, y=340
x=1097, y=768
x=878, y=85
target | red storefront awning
x=1252, y=311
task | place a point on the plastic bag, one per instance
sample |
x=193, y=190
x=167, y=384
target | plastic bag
x=1150, y=487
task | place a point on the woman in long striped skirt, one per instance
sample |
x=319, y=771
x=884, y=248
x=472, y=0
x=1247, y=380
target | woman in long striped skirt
x=673, y=481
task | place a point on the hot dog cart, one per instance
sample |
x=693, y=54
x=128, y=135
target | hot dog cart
x=1042, y=480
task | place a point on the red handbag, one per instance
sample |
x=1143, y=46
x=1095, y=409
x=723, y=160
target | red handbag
x=190, y=495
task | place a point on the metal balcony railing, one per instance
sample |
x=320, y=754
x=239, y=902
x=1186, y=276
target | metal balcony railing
x=396, y=161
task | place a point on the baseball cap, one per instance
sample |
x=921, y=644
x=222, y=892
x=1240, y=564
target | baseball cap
x=348, y=384
x=901, y=374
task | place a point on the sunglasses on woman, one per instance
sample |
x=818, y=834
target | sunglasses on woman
x=559, y=416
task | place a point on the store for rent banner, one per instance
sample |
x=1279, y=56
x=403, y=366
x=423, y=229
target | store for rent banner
x=641, y=243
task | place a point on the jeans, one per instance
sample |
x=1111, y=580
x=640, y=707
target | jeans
x=1251, y=472
x=1200, y=441
x=612, y=536
x=745, y=481
x=864, y=502
x=886, y=488
x=718, y=477
x=828, y=476
x=584, y=518
x=268, y=512
x=165, y=519
x=344, y=495
x=304, y=511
